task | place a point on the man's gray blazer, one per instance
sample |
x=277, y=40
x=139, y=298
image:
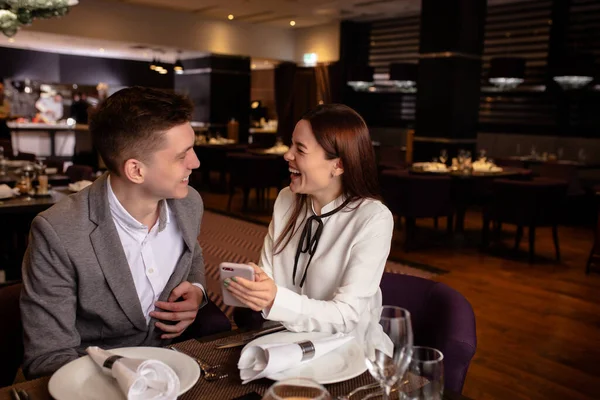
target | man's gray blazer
x=77, y=286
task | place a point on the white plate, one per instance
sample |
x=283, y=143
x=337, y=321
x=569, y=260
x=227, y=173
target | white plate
x=83, y=379
x=341, y=364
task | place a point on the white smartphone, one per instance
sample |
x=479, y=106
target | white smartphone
x=229, y=270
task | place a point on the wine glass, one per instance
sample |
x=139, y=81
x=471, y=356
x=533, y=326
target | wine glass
x=443, y=156
x=388, y=342
x=482, y=154
x=297, y=389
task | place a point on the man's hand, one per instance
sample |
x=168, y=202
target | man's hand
x=257, y=295
x=183, y=311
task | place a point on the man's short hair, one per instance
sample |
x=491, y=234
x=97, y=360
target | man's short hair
x=132, y=122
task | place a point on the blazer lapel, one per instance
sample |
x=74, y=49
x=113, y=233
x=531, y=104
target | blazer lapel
x=111, y=257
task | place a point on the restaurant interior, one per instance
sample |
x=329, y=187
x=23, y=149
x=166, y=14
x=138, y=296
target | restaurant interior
x=484, y=118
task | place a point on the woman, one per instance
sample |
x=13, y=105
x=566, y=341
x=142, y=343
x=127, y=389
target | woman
x=329, y=239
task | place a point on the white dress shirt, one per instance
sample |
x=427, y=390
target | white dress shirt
x=151, y=255
x=342, y=283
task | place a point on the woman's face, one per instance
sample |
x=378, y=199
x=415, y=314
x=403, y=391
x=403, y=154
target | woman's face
x=311, y=173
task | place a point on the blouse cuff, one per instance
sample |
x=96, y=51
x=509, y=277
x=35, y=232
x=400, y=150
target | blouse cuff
x=286, y=306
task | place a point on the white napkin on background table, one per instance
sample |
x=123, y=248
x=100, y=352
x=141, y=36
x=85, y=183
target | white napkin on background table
x=7, y=191
x=138, y=379
x=263, y=360
x=79, y=185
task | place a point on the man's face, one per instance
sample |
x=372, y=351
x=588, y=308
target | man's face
x=166, y=172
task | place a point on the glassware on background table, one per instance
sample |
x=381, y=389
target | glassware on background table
x=482, y=154
x=461, y=158
x=297, y=389
x=387, y=343
x=581, y=156
x=443, y=156
x=424, y=379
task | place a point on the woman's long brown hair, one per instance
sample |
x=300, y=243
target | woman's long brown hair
x=343, y=134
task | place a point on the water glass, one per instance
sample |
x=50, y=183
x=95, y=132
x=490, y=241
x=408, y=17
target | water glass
x=297, y=389
x=425, y=376
x=443, y=156
x=387, y=343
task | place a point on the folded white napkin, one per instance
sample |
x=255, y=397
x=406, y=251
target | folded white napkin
x=430, y=166
x=138, y=379
x=79, y=185
x=263, y=360
x=7, y=191
x=484, y=166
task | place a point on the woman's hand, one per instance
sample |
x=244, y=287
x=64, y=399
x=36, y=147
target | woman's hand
x=257, y=295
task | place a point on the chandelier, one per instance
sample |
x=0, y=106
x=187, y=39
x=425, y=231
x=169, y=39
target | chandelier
x=506, y=73
x=15, y=13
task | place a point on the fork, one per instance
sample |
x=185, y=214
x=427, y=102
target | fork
x=360, y=389
x=209, y=372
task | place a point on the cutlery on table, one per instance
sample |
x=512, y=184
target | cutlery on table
x=245, y=339
x=360, y=389
x=23, y=395
x=14, y=394
x=209, y=372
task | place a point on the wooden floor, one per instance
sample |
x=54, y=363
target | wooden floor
x=538, y=326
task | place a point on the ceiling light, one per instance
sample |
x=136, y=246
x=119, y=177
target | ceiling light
x=360, y=77
x=404, y=75
x=101, y=50
x=507, y=72
x=230, y=17
x=11, y=40
x=292, y=23
x=253, y=66
x=575, y=71
x=162, y=71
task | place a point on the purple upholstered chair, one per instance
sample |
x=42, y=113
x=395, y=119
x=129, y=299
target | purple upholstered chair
x=442, y=318
x=11, y=334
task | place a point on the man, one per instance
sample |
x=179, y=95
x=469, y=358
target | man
x=107, y=265
x=79, y=108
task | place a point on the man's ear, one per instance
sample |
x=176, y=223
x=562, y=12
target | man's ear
x=134, y=170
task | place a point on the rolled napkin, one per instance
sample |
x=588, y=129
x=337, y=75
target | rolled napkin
x=263, y=360
x=138, y=379
x=7, y=191
x=79, y=185
x=485, y=166
x=430, y=166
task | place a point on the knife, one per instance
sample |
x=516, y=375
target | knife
x=250, y=337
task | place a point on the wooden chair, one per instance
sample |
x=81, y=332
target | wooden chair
x=536, y=203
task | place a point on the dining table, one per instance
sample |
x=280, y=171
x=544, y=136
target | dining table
x=228, y=388
x=469, y=185
x=16, y=214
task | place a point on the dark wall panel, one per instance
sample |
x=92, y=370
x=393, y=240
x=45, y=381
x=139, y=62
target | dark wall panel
x=27, y=64
x=62, y=68
x=91, y=70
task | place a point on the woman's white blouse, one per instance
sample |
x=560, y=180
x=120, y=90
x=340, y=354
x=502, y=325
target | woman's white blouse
x=342, y=283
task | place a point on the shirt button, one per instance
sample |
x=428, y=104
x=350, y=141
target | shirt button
x=151, y=271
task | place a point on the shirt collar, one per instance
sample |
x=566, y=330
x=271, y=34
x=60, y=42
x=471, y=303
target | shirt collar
x=122, y=215
x=332, y=205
